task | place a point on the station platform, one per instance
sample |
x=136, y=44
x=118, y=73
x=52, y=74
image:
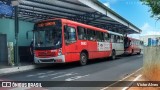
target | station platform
x=24, y=66
x=5, y=65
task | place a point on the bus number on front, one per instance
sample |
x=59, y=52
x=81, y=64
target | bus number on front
x=83, y=43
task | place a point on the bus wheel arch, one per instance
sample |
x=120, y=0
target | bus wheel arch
x=83, y=57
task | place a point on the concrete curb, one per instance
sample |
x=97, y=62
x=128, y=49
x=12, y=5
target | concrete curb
x=18, y=69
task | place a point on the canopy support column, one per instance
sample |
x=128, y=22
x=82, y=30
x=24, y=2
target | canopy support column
x=16, y=36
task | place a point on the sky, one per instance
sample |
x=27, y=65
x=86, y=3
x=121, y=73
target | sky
x=137, y=13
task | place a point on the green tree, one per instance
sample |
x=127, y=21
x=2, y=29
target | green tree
x=155, y=7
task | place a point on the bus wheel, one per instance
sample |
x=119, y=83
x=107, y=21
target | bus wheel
x=139, y=52
x=83, y=59
x=113, y=57
x=132, y=52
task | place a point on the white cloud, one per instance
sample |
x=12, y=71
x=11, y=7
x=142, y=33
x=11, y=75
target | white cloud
x=134, y=36
x=107, y=4
x=146, y=30
x=149, y=30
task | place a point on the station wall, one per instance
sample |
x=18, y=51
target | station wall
x=7, y=27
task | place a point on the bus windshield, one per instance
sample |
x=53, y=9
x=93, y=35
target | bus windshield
x=48, y=37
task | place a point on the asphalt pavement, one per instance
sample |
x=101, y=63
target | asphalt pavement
x=96, y=70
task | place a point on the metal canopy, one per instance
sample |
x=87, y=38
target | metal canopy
x=90, y=12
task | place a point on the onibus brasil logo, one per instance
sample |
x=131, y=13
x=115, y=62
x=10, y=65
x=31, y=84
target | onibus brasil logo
x=17, y=84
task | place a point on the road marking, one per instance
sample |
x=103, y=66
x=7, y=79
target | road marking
x=75, y=77
x=30, y=75
x=24, y=88
x=50, y=75
x=35, y=74
x=39, y=74
x=50, y=71
x=120, y=80
x=139, y=56
x=68, y=74
x=125, y=88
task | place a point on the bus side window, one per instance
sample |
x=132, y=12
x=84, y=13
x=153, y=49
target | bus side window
x=106, y=37
x=91, y=35
x=100, y=36
x=121, y=39
x=81, y=33
x=136, y=42
x=118, y=39
x=112, y=38
x=70, y=34
x=115, y=38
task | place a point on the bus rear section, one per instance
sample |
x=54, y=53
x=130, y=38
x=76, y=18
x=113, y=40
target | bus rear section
x=117, y=43
x=132, y=46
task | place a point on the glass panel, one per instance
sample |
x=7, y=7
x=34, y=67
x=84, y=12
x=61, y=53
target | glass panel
x=70, y=34
x=81, y=33
x=91, y=35
x=48, y=37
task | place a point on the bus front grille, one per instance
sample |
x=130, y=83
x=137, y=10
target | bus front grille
x=47, y=60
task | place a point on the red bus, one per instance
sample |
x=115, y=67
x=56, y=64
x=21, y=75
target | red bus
x=62, y=41
x=132, y=46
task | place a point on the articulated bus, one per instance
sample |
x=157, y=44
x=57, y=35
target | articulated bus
x=132, y=46
x=62, y=41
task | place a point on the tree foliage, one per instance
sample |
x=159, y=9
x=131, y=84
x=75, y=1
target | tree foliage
x=155, y=7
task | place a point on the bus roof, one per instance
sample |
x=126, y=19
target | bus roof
x=76, y=23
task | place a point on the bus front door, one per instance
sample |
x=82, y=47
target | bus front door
x=71, y=48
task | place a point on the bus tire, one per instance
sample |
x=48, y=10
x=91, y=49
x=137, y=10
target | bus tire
x=83, y=59
x=139, y=52
x=132, y=52
x=113, y=57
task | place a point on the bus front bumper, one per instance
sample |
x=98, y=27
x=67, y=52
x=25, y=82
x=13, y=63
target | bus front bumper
x=57, y=59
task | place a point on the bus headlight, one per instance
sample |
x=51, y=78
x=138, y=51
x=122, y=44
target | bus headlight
x=59, y=52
